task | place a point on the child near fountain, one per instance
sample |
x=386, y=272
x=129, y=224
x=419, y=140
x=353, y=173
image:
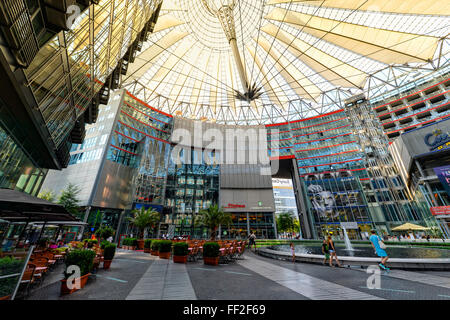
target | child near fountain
x=379, y=251
x=292, y=251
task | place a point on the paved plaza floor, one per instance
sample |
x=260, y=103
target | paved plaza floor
x=140, y=276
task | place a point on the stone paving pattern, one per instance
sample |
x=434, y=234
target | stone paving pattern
x=140, y=276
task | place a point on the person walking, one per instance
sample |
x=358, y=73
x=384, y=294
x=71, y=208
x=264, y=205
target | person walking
x=332, y=252
x=252, y=238
x=379, y=246
x=292, y=251
x=326, y=252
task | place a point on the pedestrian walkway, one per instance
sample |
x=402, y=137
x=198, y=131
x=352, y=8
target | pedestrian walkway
x=424, y=278
x=164, y=280
x=308, y=286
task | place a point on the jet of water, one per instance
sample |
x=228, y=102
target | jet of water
x=348, y=244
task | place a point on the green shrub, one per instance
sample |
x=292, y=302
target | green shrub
x=165, y=246
x=155, y=245
x=133, y=242
x=110, y=251
x=147, y=243
x=62, y=249
x=91, y=243
x=104, y=244
x=180, y=249
x=105, y=232
x=9, y=266
x=211, y=249
x=84, y=259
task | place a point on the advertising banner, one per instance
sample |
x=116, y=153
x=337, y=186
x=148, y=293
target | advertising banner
x=440, y=211
x=443, y=173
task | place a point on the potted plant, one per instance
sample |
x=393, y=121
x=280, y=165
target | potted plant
x=148, y=246
x=211, y=252
x=84, y=259
x=110, y=251
x=91, y=243
x=105, y=232
x=142, y=219
x=165, y=247
x=103, y=244
x=126, y=243
x=155, y=247
x=133, y=242
x=180, y=252
x=8, y=266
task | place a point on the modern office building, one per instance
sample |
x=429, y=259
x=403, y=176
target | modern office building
x=423, y=155
x=130, y=100
x=58, y=61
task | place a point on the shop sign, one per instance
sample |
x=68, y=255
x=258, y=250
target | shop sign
x=440, y=211
x=443, y=174
x=437, y=140
x=235, y=206
x=349, y=225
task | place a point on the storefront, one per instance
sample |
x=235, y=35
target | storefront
x=442, y=215
x=252, y=210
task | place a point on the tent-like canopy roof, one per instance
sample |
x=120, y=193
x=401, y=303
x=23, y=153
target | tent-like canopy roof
x=16, y=206
x=303, y=56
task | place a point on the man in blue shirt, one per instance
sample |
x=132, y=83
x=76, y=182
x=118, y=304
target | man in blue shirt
x=375, y=240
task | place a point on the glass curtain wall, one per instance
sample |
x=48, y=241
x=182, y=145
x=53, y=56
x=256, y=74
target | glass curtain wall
x=192, y=185
x=16, y=170
x=62, y=74
x=331, y=169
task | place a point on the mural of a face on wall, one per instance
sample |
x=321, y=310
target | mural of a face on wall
x=323, y=202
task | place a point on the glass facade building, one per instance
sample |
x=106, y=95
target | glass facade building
x=17, y=171
x=61, y=58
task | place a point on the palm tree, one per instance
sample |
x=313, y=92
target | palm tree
x=144, y=218
x=212, y=218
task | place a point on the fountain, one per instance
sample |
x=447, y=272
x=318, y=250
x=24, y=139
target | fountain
x=348, y=244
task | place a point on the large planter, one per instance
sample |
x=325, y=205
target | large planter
x=147, y=250
x=106, y=264
x=140, y=244
x=155, y=253
x=164, y=255
x=66, y=290
x=180, y=259
x=131, y=247
x=212, y=261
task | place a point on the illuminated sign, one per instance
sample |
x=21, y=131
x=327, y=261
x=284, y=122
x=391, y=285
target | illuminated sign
x=440, y=211
x=235, y=206
x=437, y=140
x=443, y=174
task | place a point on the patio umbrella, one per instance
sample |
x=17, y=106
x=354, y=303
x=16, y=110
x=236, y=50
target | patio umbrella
x=410, y=226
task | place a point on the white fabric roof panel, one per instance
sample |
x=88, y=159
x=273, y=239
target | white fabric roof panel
x=290, y=50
